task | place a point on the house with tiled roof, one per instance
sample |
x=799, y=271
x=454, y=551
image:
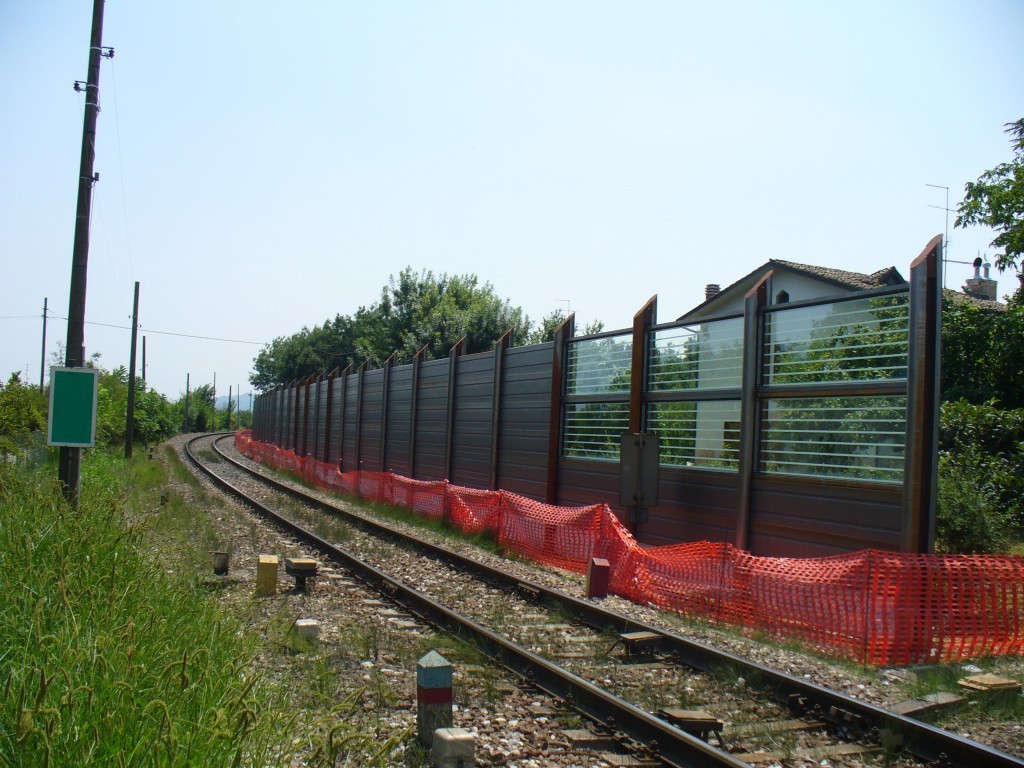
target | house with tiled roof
x=790, y=282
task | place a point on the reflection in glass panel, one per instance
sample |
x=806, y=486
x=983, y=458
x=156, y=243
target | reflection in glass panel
x=593, y=430
x=599, y=365
x=697, y=434
x=853, y=437
x=844, y=341
x=704, y=356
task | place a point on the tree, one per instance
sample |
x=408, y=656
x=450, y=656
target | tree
x=996, y=200
x=415, y=310
x=22, y=411
x=982, y=357
x=200, y=410
x=154, y=420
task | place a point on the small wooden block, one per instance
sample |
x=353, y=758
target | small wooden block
x=989, y=683
x=598, y=574
x=638, y=642
x=774, y=726
x=300, y=566
x=266, y=575
x=626, y=761
x=692, y=720
x=926, y=705
x=584, y=739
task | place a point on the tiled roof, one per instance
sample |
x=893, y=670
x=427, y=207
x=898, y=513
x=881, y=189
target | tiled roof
x=983, y=304
x=853, y=280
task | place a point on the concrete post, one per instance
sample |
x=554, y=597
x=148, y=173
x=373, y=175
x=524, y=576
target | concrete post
x=433, y=696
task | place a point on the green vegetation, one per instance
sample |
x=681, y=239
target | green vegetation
x=108, y=657
x=981, y=478
x=416, y=310
x=22, y=412
x=982, y=354
x=116, y=654
x=996, y=200
x=981, y=464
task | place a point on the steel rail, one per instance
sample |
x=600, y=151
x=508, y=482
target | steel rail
x=672, y=746
x=923, y=740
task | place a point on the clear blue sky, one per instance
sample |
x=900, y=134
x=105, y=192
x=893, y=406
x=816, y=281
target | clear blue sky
x=265, y=166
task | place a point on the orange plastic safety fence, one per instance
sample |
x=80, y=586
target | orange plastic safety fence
x=565, y=537
x=424, y=497
x=870, y=606
x=474, y=511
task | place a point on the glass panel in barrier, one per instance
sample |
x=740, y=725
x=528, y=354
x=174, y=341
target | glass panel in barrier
x=853, y=437
x=844, y=341
x=596, y=366
x=698, y=433
x=592, y=430
x=702, y=356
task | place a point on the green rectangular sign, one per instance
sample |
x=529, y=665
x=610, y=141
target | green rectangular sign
x=73, y=400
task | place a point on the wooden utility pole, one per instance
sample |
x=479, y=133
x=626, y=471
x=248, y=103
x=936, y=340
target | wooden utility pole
x=42, y=356
x=187, y=425
x=143, y=358
x=129, y=432
x=70, y=461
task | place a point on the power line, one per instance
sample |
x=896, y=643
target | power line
x=166, y=333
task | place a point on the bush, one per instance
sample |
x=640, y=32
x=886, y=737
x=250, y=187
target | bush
x=983, y=437
x=109, y=658
x=971, y=517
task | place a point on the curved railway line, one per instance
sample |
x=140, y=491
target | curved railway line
x=574, y=650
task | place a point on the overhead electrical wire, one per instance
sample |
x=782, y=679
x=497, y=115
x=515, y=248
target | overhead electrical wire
x=53, y=316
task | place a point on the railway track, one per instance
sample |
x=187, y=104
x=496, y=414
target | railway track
x=663, y=693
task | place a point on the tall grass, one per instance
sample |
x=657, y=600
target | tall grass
x=108, y=658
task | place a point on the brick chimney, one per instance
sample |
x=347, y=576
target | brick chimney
x=981, y=287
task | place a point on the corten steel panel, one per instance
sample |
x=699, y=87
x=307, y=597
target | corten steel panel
x=471, y=440
x=694, y=506
x=279, y=409
x=373, y=399
x=584, y=482
x=525, y=407
x=300, y=418
x=290, y=420
x=335, y=426
x=321, y=420
x=396, y=456
x=283, y=417
x=790, y=516
x=431, y=420
x=348, y=462
x=310, y=411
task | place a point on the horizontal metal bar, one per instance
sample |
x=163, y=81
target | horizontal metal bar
x=855, y=388
x=691, y=395
x=872, y=293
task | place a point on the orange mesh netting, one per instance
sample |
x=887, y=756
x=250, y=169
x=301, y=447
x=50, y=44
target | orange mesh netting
x=474, y=511
x=873, y=607
x=424, y=497
x=565, y=537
